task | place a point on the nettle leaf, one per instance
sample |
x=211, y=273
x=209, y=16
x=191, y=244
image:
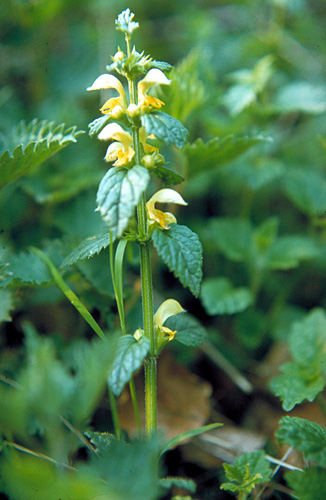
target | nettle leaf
x=101, y=440
x=166, y=128
x=37, y=141
x=88, y=248
x=216, y=152
x=288, y=251
x=219, y=296
x=307, y=437
x=301, y=96
x=182, y=252
x=189, y=330
x=179, y=482
x=129, y=356
x=28, y=268
x=232, y=236
x=118, y=195
x=166, y=174
x=257, y=172
x=305, y=377
x=306, y=189
x=6, y=304
x=98, y=124
x=248, y=470
x=309, y=484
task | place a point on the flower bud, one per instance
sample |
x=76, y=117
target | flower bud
x=133, y=110
x=148, y=161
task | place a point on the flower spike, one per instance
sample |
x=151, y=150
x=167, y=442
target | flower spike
x=163, y=196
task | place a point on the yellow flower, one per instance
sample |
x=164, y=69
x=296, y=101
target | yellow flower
x=154, y=76
x=163, y=196
x=168, y=308
x=107, y=81
x=148, y=148
x=120, y=151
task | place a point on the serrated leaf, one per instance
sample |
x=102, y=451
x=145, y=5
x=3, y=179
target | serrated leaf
x=98, y=124
x=88, y=248
x=6, y=304
x=167, y=175
x=293, y=387
x=101, y=440
x=118, y=195
x=37, y=141
x=306, y=189
x=248, y=470
x=288, y=251
x=166, y=128
x=129, y=356
x=179, y=482
x=162, y=65
x=301, y=96
x=189, y=330
x=232, y=236
x=309, y=484
x=28, y=268
x=216, y=152
x=182, y=252
x=219, y=296
x=307, y=437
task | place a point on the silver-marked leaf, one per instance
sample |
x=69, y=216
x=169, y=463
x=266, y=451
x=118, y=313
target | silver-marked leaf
x=307, y=437
x=118, y=195
x=219, y=296
x=129, y=356
x=189, y=330
x=182, y=252
x=88, y=248
x=166, y=128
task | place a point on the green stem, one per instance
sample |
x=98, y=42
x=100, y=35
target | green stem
x=135, y=405
x=115, y=414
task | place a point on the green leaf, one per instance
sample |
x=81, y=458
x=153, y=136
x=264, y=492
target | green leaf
x=166, y=128
x=187, y=435
x=98, y=124
x=307, y=437
x=88, y=248
x=6, y=304
x=306, y=189
x=216, y=152
x=232, y=236
x=257, y=172
x=118, y=195
x=219, y=296
x=189, y=330
x=167, y=175
x=179, y=482
x=26, y=267
x=301, y=96
x=101, y=440
x=129, y=356
x=248, y=470
x=37, y=141
x=239, y=97
x=309, y=484
x=293, y=387
x=182, y=252
x=288, y=251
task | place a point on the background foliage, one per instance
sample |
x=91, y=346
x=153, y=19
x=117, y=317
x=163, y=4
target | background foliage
x=249, y=84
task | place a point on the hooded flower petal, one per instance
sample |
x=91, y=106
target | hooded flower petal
x=122, y=150
x=148, y=148
x=163, y=196
x=154, y=76
x=167, y=309
x=107, y=81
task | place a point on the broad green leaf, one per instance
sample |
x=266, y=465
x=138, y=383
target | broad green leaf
x=118, y=195
x=307, y=437
x=129, y=356
x=37, y=141
x=179, y=482
x=219, y=296
x=167, y=175
x=248, y=470
x=216, y=152
x=166, y=128
x=288, y=251
x=301, y=96
x=187, y=435
x=257, y=171
x=306, y=189
x=88, y=248
x=98, y=124
x=293, y=387
x=189, y=330
x=239, y=97
x=265, y=234
x=26, y=267
x=309, y=484
x=6, y=304
x=182, y=252
x=232, y=236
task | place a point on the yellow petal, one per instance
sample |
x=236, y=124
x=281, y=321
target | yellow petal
x=115, y=131
x=168, y=308
x=107, y=81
